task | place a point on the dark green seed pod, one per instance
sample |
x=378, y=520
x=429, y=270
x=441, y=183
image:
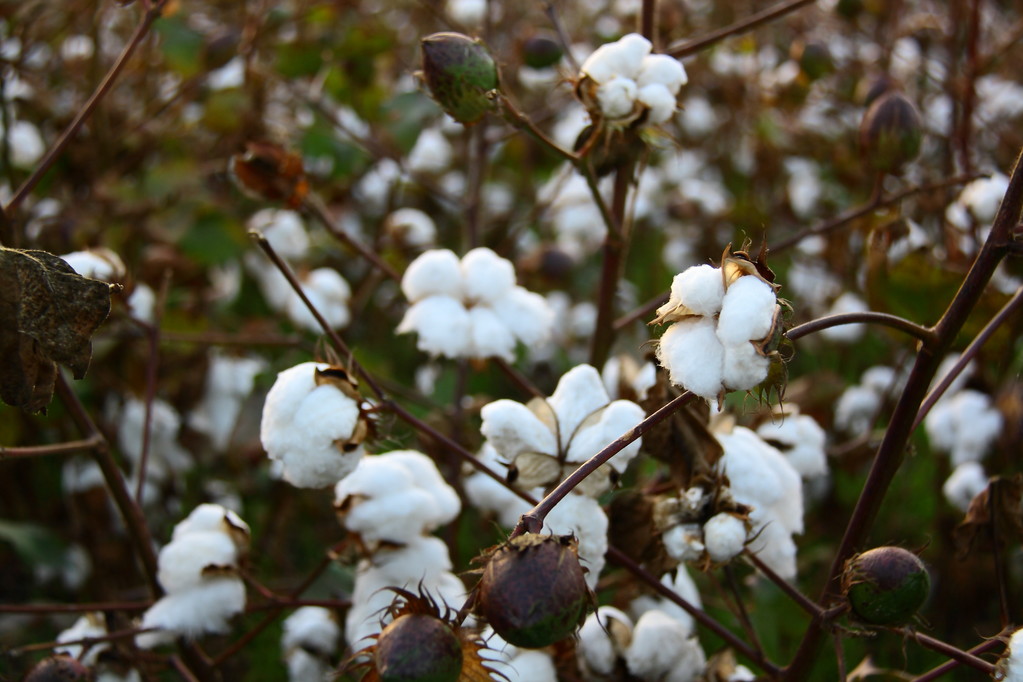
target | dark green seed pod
x=814, y=60
x=886, y=585
x=59, y=668
x=540, y=52
x=890, y=133
x=417, y=647
x=533, y=591
x=459, y=72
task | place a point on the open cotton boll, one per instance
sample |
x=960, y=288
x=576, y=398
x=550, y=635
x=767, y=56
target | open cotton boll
x=426, y=475
x=285, y=231
x=88, y=625
x=328, y=292
x=747, y=311
x=512, y=429
x=580, y=392
x=526, y=314
x=616, y=97
x=693, y=355
x=615, y=420
x=97, y=263
x=660, y=102
x=26, y=143
x=434, y=273
x=662, y=69
x=489, y=336
x=724, y=536
x=801, y=439
x=442, y=325
x=744, y=367
x=856, y=409
x=621, y=58
x=664, y=649
x=305, y=667
x=181, y=562
x=512, y=664
x=582, y=517
x=486, y=277
x=431, y=153
x=684, y=542
x=699, y=288
x=846, y=333
x=204, y=608
x=213, y=518
x=490, y=496
x=229, y=381
x=681, y=584
x=1012, y=660
x=303, y=424
x=965, y=425
x=602, y=640
x=312, y=628
x=412, y=226
x=983, y=196
x=966, y=482
x=165, y=456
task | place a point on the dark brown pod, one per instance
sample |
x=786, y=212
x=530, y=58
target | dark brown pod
x=417, y=647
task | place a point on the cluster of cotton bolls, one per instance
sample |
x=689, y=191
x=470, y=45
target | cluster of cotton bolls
x=621, y=82
x=308, y=643
x=325, y=287
x=655, y=641
x=471, y=307
x=716, y=340
x=540, y=443
x=198, y=572
x=312, y=425
x=390, y=502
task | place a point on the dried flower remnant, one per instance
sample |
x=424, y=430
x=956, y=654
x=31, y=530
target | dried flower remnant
x=314, y=425
x=269, y=172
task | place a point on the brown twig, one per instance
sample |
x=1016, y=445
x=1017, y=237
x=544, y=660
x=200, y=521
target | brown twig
x=945, y=668
x=690, y=47
x=917, y=331
x=152, y=365
x=955, y=653
x=314, y=207
x=84, y=445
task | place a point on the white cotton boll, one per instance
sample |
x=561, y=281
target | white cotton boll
x=311, y=627
x=376, y=184
x=434, y=273
x=88, y=625
x=416, y=228
x=966, y=482
x=442, y=325
x=489, y=337
x=857, y=409
x=526, y=314
x=582, y=517
x=97, y=263
x=846, y=333
x=965, y=425
x=431, y=154
x=165, y=454
x=693, y=355
x=747, y=311
x=801, y=440
x=659, y=100
x=181, y=562
x=512, y=429
x=141, y=303
x=528, y=665
x=580, y=392
x=305, y=667
x=616, y=97
x=684, y=542
x=775, y=547
x=467, y=12
x=328, y=291
x=744, y=367
x=213, y=518
x=700, y=288
x=229, y=382
x=490, y=496
x=110, y=676
x=426, y=475
x=983, y=196
x=664, y=649
x=615, y=420
x=724, y=535
x=230, y=75
x=301, y=425
x=602, y=639
x=284, y=229
x=27, y=145
x=205, y=608
x=662, y=69
x=486, y=277
x=1012, y=661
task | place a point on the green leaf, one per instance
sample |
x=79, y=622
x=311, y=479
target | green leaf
x=35, y=544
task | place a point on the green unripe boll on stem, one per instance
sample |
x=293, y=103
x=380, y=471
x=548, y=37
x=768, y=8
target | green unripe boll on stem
x=886, y=585
x=459, y=73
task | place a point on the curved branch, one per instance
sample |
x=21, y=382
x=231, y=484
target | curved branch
x=924, y=334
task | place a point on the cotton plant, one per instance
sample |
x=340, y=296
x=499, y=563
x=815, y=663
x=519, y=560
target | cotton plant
x=471, y=307
x=410, y=227
x=229, y=381
x=308, y=643
x=622, y=83
x=313, y=425
x=198, y=571
x=394, y=498
x=723, y=323
x=547, y=439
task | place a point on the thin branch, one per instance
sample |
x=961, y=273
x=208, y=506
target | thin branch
x=532, y=521
x=315, y=207
x=690, y=47
x=955, y=653
x=1010, y=307
x=84, y=445
x=520, y=121
x=648, y=21
x=885, y=319
x=559, y=29
x=801, y=600
x=947, y=667
x=615, y=245
x=152, y=13
x=83, y=607
x=152, y=365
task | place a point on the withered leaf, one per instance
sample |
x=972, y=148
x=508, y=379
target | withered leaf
x=995, y=515
x=48, y=314
x=632, y=525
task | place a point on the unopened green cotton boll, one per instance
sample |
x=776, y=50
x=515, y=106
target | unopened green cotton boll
x=459, y=73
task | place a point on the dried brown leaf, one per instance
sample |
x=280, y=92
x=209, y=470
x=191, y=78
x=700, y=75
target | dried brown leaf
x=995, y=515
x=48, y=314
